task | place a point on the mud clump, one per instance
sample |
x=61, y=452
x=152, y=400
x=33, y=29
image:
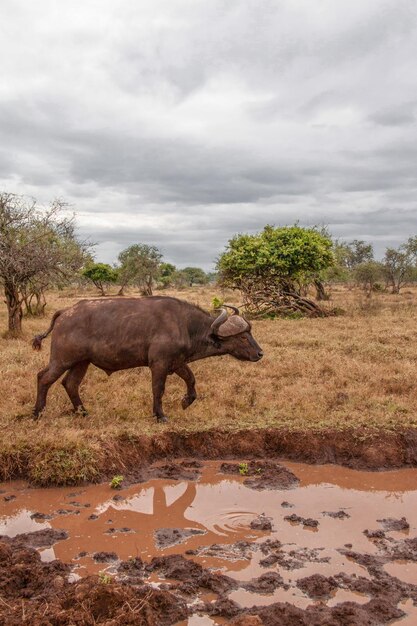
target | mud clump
x=336, y=514
x=34, y=592
x=317, y=586
x=241, y=550
x=124, y=529
x=262, y=522
x=374, y=534
x=167, y=537
x=177, y=567
x=105, y=557
x=305, y=521
x=391, y=523
x=23, y=574
x=44, y=538
x=185, y=470
x=267, y=583
x=294, y=559
x=263, y=474
x=40, y=516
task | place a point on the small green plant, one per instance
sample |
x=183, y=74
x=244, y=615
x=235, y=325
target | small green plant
x=104, y=578
x=243, y=469
x=216, y=303
x=116, y=482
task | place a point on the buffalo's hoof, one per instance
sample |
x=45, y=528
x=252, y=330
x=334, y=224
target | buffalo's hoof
x=187, y=401
x=162, y=420
x=81, y=411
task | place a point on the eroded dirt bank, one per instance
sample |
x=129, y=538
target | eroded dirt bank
x=358, y=449
x=244, y=543
x=59, y=462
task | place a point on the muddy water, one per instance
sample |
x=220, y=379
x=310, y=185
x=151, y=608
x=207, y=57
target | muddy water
x=218, y=509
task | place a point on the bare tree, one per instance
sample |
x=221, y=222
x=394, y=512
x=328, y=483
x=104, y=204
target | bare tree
x=399, y=264
x=36, y=248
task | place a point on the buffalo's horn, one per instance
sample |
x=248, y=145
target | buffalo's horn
x=235, y=309
x=219, y=321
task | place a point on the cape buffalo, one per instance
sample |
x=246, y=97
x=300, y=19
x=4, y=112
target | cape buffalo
x=162, y=333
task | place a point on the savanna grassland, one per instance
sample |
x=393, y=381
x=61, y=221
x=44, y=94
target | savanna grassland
x=352, y=372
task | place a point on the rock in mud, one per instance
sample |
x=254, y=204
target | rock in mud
x=317, y=586
x=93, y=516
x=262, y=474
x=287, y=505
x=262, y=522
x=9, y=498
x=166, y=537
x=390, y=523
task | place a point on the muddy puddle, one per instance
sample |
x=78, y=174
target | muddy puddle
x=320, y=538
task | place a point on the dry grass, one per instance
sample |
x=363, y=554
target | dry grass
x=356, y=370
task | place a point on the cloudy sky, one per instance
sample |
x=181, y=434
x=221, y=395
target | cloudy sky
x=181, y=122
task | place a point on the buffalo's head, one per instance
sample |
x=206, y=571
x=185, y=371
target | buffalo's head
x=233, y=334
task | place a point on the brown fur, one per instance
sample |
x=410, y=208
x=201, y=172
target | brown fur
x=162, y=333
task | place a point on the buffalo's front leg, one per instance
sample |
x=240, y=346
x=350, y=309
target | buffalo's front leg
x=159, y=376
x=186, y=374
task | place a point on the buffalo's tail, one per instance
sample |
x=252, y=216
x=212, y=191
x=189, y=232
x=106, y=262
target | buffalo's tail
x=37, y=340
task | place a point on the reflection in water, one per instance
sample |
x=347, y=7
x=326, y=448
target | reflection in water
x=222, y=508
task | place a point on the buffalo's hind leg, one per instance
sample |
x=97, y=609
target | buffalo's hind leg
x=46, y=378
x=186, y=374
x=159, y=376
x=72, y=381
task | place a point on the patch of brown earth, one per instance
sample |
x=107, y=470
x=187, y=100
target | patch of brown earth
x=262, y=474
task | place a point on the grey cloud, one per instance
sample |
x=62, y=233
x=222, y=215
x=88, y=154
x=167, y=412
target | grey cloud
x=401, y=115
x=180, y=124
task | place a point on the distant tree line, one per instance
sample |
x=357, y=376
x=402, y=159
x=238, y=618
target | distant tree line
x=141, y=267
x=275, y=270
